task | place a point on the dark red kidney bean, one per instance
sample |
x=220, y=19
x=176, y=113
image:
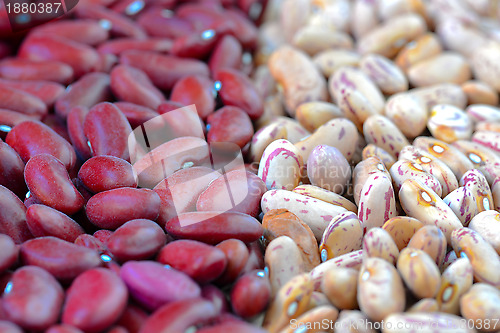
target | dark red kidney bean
x=47, y=91
x=35, y=299
x=153, y=285
x=163, y=70
x=251, y=294
x=136, y=114
x=117, y=46
x=195, y=45
x=9, y=119
x=32, y=137
x=216, y=296
x=121, y=26
x=133, y=318
x=89, y=90
x=246, y=191
x=23, y=102
x=136, y=240
x=24, y=69
x=111, y=209
x=81, y=57
x=234, y=326
x=86, y=194
x=179, y=316
x=230, y=124
x=12, y=170
x=31, y=200
x=226, y=54
x=237, y=90
x=95, y=300
x=103, y=235
x=185, y=186
x=13, y=216
x=197, y=90
x=203, y=263
x=117, y=329
x=82, y=31
x=57, y=125
x=107, y=130
x=8, y=252
x=63, y=328
x=244, y=30
x=49, y=182
x=206, y=17
x=237, y=256
x=75, y=121
x=133, y=85
x=157, y=24
x=45, y=221
x=90, y=242
x=255, y=258
x=168, y=106
x=62, y=259
x=215, y=227
x=9, y=327
x=104, y=173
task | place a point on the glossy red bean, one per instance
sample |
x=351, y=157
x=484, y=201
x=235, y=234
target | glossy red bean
x=237, y=256
x=57, y=125
x=63, y=328
x=244, y=30
x=75, y=121
x=9, y=119
x=12, y=170
x=133, y=318
x=23, y=102
x=34, y=298
x=9, y=327
x=206, y=17
x=8, y=252
x=237, y=90
x=111, y=209
x=226, y=54
x=154, y=285
x=156, y=23
x=45, y=221
x=82, y=58
x=89, y=90
x=49, y=182
x=62, y=259
x=203, y=263
x=107, y=130
x=24, y=69
x=95, y=300
x=13, y=216
x=82, y=31
x=230, y=124
x=197, y=90
x=117, y=46
x=163, y=70
x=179, y=316
x=31, y=138
x=136, y=114
x=216, y=296
x=132, y=85
x=104, y=173
x=47, y=91
x=195, y=45
x=255, y=258
x=251, y=294
x=90, y=242
x=240, y=327
x=136, y=240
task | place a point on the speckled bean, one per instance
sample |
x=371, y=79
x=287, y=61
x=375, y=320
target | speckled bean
x=431, y=240
x=419, y=272
x=328, y=168
x=463, y=203
x=423, y=47
x=325, y=195
x=330, y=60
x=481, y=112
x=352, y=260
x=264, y=137
x=478, y=92
x=312, y=318
x=447, y=67
x=408, y=112
x=484, y=65
x=378, y=243
x=382, y=132
x=340, y=286
x=481, y=304
x=455, y=281
x=386, y=75
x=443, y=93
x=314, y=39
x=355, y=106
x=449, y=123
x=312, y=115
x=477, y=184
x=363, y=171
x=344, y=234
x=402, y=229
x=404, y=169
x=424, y=305
x=487, y=139
x=373, y=212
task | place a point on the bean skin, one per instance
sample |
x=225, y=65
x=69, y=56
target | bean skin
x=197, y=90
x=12, y=170
x=251, y=294
x=103, y=173
x=237, y=255
x=45, y=221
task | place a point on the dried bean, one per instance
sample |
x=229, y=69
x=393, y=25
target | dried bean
x=419, y=272
x=251, y=294
x=378, y=243
x=371, y=213
x=229, y=124
x=481, y=305
x=45, y=221
x=344, y=234
x=340, y=286
x=456, y=280
x=328, y=169
x=431, y=240
x=104, y=173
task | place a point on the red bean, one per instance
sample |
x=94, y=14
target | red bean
x=153, y=285
x=206, y=17
x=237, y=90
x=107, y=130
x=95, y=300
x=240, y=327
x=23, y=102
x=49, y=182
x=251, y=294
x=103, y=235
x=31, y=138
x=133, y=318
x=23, y=69
x=82, y=31
x=237, y=256
x=34, y=299
x=12, y=170
x=46, y=91
x=9, y=119
x=197, y=90
x=117, y=46
x=157, y=24
x=111, y=209
x=216, y=296
x=9, y=327
x=214, y=227
x=103, y=173
x=90, y=242
x=8, y=252
x=89, y=90
x=136, y=114
x=45, y=221
x=195, y=45
x=203, y=263
x=255, y=258
x=62, y=259
x=179, y=316
x=163, y=70
x=230, y=124
x=63, y=329
x=75, y=121
x=226, y=54
x=136, y=240
x=13, y=216
x=244, y=30
x=82, y=58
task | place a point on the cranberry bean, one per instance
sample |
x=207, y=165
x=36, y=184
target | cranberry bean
x=24, y=69
x=62, y=259
x=214, y=227
x=238, y=90
x=82, y=31
x=132, y=85
x=11, y=170
x=419, y=272
x=352, y=259
x=95, y=300
x=111, y=209
x=479, y=92
x=163, y=70
x=456, y=280
x=226, y=54
x=202, y=262
x=9, y=252
x=45, y=221
x=195, y=89
x=89, y=90
x=154, y=285
x=251, y=294
x=325, y=195
x=136, y=114
x=237, y=256
x=344, y=234
x=481, y=304
x=34, y=299
x=117, y=46
x=21, y=101
x=103, y=173
x=49, y=182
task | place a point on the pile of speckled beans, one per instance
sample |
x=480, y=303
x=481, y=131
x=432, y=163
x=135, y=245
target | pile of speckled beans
x=369, y=198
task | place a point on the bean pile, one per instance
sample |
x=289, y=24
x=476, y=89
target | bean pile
x=370, y=194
